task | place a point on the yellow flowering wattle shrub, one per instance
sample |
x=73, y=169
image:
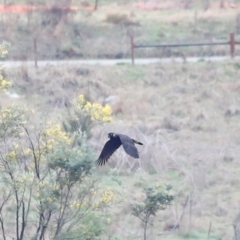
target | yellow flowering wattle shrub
x=86, y=114
x=46, y=174
x=4, y=84
x=3, y=51
x=11, y=121
x=107, y=196
x=55, y=135
x=95, y=111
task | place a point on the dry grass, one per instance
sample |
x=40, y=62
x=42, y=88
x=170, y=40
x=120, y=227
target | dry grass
x=104, y=33
x=187, y=116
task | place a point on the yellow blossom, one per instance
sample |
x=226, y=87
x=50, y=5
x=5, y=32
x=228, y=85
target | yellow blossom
x=4, y=84
x=107, y=110
x=11, y=155
x=55, y=135
x=96, y=206
x=80, y=101
x=95, y=111
x=108, y=196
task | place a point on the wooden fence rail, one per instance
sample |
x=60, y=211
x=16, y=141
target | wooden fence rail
x=231, y=43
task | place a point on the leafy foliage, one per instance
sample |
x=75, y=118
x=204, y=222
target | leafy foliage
x=91, y=228
x=46, y=174
x=47, y=180
x=155, y=200
x=71, y=165
x=11, y=121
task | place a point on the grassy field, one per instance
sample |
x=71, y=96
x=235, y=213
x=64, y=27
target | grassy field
x=105, y=33
x=187, y=116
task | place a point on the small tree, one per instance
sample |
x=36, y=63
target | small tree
x=155, y=200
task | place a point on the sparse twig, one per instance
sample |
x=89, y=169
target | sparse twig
x=177, y=224
x=190, y=212
x=209, y=230
x=1, y=215
x=183, y=169
x=36, y=162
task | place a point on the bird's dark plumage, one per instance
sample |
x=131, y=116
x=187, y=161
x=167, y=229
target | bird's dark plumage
x=115, y=141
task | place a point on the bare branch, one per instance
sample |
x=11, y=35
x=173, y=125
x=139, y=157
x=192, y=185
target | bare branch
x=36, y=164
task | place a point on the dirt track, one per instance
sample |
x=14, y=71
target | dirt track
x=114, y=61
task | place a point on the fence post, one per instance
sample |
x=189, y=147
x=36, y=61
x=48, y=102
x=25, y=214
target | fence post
x=96, y=5
x=35, y=51
x=132, y=48
x=232, y=44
